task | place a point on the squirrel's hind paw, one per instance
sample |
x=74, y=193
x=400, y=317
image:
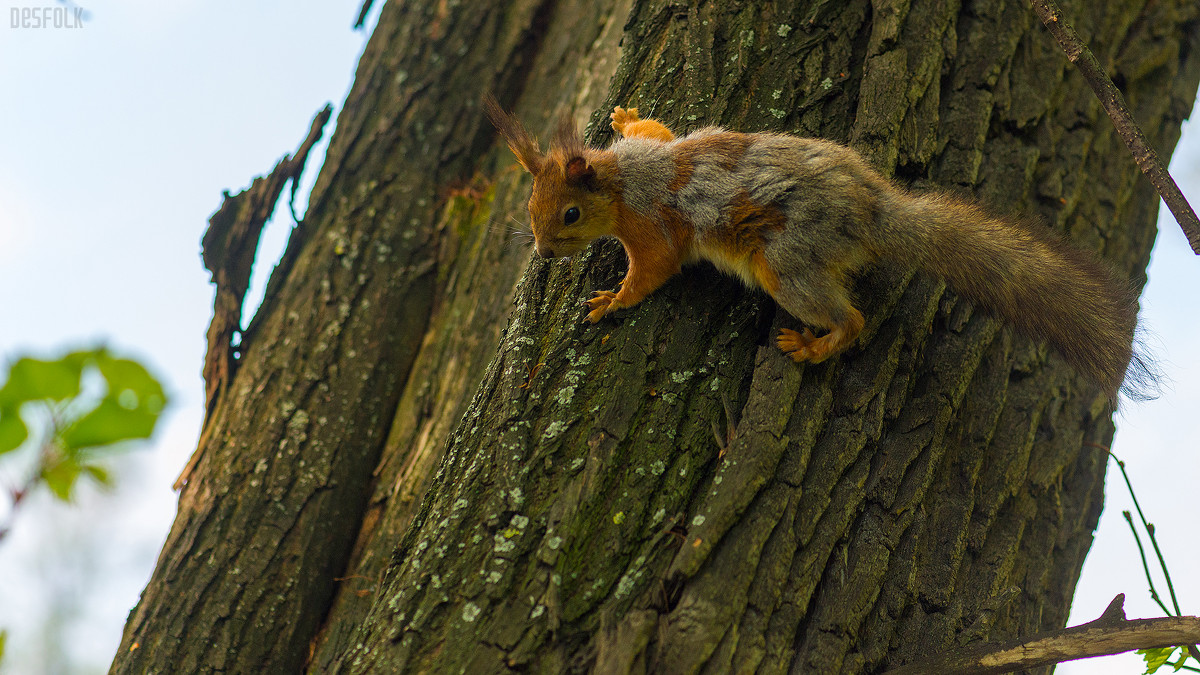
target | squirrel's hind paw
x=800, y=346
x=803, y=346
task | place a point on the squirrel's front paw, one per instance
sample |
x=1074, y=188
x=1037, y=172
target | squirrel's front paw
x=623, y=116
x=603, y=303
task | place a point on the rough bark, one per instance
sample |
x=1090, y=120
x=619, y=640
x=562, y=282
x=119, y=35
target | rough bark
x=566, y=509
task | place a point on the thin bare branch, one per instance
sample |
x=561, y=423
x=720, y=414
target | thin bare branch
x=1114, y=104
x=1112, y=633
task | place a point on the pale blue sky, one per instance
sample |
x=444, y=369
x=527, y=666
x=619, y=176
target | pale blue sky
x=116, y=140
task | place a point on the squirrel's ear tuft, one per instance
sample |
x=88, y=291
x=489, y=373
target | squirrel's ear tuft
x=523, y=145
x=579, y=171
x=567, y=137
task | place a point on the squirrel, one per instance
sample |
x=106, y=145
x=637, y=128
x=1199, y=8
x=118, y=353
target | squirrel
x=796, y=217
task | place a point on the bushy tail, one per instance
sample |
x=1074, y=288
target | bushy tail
x=1044, y=286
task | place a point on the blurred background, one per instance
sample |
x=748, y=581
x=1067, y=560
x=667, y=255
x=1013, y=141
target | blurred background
x=117, y=138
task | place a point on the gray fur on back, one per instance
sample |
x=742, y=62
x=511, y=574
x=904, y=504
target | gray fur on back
x=706, y=196
x=787, y=171
x=821, y=187
x=646, y=167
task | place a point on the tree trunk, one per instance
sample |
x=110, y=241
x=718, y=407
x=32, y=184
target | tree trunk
x=396, y=481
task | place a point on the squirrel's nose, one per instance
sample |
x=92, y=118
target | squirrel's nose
x=545, y=251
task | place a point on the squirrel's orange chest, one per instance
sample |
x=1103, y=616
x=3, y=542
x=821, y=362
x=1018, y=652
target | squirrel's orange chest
x=732, y=262
x=735, y=246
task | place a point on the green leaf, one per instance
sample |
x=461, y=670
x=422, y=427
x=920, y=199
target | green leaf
x=99, y=474
x=31, y=379
x=12, y=430
x=131, y=384
x=108, y=423
x=1156, y=657
x=60, y=477
x=129, y=410
x=62, y=474
x=3, y=639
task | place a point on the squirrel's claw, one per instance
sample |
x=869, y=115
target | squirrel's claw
x=603, y=303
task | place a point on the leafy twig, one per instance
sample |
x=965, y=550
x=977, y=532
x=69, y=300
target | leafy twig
x=1191, y=648
x=1145, y=564
x=1153, y=540
x=78, y=422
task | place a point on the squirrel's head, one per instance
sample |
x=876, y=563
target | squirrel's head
x=572, y=201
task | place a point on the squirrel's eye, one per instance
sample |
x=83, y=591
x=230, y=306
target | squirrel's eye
x=571, y=215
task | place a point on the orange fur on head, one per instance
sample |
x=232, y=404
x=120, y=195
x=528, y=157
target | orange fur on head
x=579, y=181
